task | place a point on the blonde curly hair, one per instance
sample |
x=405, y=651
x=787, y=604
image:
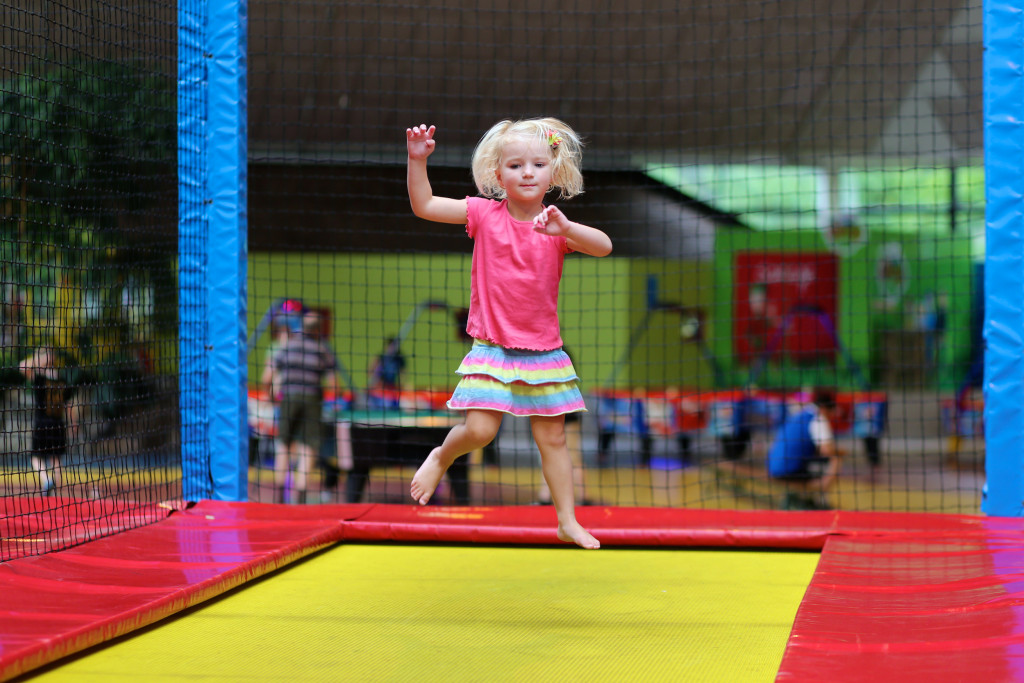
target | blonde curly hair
x=566, y=154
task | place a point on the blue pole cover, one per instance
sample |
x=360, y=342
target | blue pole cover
x=226, y=268
x=212, y=248
x=1004, y=285
x=192, y=248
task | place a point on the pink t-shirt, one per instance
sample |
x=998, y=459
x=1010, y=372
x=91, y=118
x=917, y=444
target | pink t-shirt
x=514, y=279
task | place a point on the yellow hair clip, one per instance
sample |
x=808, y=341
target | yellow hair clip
x=554, y=139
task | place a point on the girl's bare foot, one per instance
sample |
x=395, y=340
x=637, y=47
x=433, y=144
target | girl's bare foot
x=427, y=477
x=574, y=533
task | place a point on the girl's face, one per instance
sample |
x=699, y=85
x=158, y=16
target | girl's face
x=524, y=171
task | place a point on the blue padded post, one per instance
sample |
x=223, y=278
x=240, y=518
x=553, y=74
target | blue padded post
x=212, y=248
x=1004, y=279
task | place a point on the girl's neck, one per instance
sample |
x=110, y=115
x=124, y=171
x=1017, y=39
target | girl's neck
x=523, y=212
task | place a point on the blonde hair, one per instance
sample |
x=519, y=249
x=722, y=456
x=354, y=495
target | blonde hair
x=566, y=156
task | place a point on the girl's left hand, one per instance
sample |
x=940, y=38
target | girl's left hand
x=551, y=221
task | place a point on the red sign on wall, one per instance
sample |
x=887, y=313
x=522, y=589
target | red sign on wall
x=784, y=306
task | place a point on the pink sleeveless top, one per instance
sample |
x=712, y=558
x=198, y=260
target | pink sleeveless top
x=514, y=279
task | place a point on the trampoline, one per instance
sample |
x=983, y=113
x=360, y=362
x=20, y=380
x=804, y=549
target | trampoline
x=382, y=592
x=359, y=612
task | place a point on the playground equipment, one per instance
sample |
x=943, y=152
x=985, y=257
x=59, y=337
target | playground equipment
x=732, y=416
x=647, y=413
x=691, y=330
x=825, y=323
x=414, y=316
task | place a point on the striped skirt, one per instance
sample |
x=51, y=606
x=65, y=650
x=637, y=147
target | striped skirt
x=517, y=382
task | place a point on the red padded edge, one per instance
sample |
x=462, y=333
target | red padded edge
x=613, y=526
x=941, y=602
x=28, y=521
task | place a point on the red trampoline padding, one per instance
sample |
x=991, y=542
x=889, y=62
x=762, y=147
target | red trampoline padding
x=614, y=526
x=28, y=521
x=944, y=602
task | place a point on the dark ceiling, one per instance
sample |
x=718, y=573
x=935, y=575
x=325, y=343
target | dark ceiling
x=790, y=79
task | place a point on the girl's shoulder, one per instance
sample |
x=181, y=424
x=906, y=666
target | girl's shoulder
x=483, y=211
x=482, y=204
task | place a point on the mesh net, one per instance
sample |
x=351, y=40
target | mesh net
x=795, y=195
x=794, y=191
x=87, y=273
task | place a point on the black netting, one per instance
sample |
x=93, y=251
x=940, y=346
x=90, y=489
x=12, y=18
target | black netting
x=88, y=242
x=795, y=195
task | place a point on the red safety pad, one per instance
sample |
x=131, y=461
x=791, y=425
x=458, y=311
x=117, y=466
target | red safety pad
x=613, y=526
x=34, y=524
x=939, y=600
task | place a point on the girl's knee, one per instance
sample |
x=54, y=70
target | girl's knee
x=548, y=433
x=480, y=434
x=482, y=429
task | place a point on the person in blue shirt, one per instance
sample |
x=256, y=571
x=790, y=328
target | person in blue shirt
x=804, y=450
x=386, y=376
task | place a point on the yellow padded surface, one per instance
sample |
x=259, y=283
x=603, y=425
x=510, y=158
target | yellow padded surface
x=478, y=613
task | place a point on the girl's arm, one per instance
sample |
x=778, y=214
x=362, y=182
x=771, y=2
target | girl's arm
x=581, y=238
x=420, y=141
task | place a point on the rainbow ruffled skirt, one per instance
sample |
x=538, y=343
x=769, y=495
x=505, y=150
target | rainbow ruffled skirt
x=517, y=382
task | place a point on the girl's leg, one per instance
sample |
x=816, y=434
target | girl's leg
x=49, y=473
x=479, y=429
x=573, y=441
x=549, y=434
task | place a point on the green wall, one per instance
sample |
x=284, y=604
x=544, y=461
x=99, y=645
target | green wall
x=602, y=305
x=369, y=297
x=606, y=325
x=866, y=306
x=657, y=356
x=936, y=264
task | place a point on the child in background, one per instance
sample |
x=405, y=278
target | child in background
x=804, y=451
x=516, y=364
x=51, y=392
x=386, y=376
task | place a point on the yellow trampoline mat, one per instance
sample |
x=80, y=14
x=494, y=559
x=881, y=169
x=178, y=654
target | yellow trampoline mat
x=472, y=613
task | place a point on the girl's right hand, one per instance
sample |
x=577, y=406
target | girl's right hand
x=420, y=141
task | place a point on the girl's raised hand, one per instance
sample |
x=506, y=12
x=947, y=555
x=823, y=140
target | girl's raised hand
x=420, y=141
x=581, y=238
x=551, y=221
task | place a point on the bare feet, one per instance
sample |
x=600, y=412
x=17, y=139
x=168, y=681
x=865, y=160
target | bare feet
x=574, y=533
x=427, y=477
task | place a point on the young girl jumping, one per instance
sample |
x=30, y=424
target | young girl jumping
x=516, y=365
